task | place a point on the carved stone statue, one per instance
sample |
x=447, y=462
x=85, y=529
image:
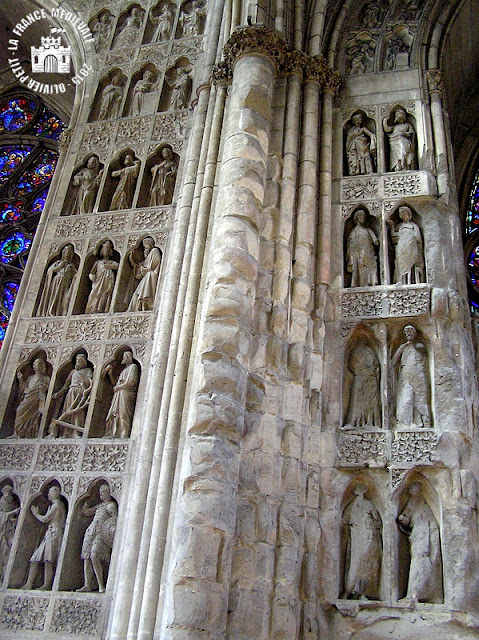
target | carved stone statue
x=30, y=409
x=98, y=540
x=111, y=98
x=191, y=22
x=407, y=239
x=102, y=275
x=163, y=178
x=76, y=390
x=147, y=272
x=361, y=258
x=120, y=415
x=180, y=89
x=142, y=87
x=9, y=509
x=364, y=408
x=401, y=142
x=372, y=15
x=101, y=31
x=57, y=288
x=362, y=573
x=360, y=147
x=164, y=23
x=412, y=396
x=87, y=181
x=49, y=549
x=125, y=190
x=130, y=31
x=425, y=571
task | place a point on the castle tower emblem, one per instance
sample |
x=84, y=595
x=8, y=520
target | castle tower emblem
x=51, y=56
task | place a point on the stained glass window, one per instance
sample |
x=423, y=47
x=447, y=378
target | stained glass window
x=472, y=217
x=26, y=170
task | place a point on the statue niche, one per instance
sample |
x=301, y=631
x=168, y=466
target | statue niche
x=128, y=29
x=362, y=546
x=192, y=19
x=362, y=383
x=412, y=386
x=160, y=22
x=120, y=184
x=101, y=27
x=159, y=178
x=360, y=145
x=143, y=93
x=57, y=283
x=177, y=86
x=116, y=396
x=139, y=277
x=361, y=248
x=40, y=539
x=73, y=384
x=406, y=250
x=109, y=97
x=84, y=187
x=33, y=383
x=97, y=282
x=9, y=510
x=401, y=148
x=90, y=540
x=419, y=558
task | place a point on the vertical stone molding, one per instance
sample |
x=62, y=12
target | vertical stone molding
x=201, y=566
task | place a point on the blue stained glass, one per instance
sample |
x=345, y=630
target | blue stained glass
x=10, y=290
x=13, y=246
x=472, y=217
x=11, y=211
x=10, y=158
x=49, y=126
x=39, y=202
x=16, y=114
x=40, y=173
x=3, y=327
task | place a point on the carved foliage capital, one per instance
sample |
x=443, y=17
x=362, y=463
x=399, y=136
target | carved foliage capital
x=222, y=73
x=256, y=39
x=435, y=80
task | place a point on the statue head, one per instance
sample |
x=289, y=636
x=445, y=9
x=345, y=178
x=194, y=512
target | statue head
x=129, y=160
x=68, y=252
x=127, y=358
x=105, y=494
x=405, y=214
x=39, y=365
x=166, y=153
x=410, y=332
x=415, y=489
x=360, y=489
x=148, y=75
x=53, y=493
x=7, y=491
x=357, y=119
x=360, y=217
x=105, y=17
x=93, y=162
x=400, y=116
x=106, y=249
x=148, y=244
x=81, y=361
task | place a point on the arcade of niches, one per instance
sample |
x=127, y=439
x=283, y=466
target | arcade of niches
x=239, y=266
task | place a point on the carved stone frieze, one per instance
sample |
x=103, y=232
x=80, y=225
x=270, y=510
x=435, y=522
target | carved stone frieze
x=110, y=223
x=134, y=130
x=170, y=126
x=116, y=485
x=98, y=136
x=120, y=56
x=105, y=457
x=24, y=613
x=56, y=246
x=51, y=353
x=414, y=447
x=409, y=302
x=389, y=205
x=47, y=331
x=361, y=189
x=346, y=328
x=365, y=448
x=155, y=53
x=87, y=329
x=20, y=485
x=130, y=327
x=65, y=139
x=373, y=207
x=360, y=51
x=76, y=616
x=57, y=457
x=151, y=219
x=140, y=350
x=66, y=482
x=16, y=456
x=403, y=185
x=72, y=227
x=410, y=107
x=362, y=304
x=191, y=48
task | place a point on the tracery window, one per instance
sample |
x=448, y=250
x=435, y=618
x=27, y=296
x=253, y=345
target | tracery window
x=29, y=132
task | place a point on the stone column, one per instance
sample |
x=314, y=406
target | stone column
x=197, y=592
x=434, y=80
